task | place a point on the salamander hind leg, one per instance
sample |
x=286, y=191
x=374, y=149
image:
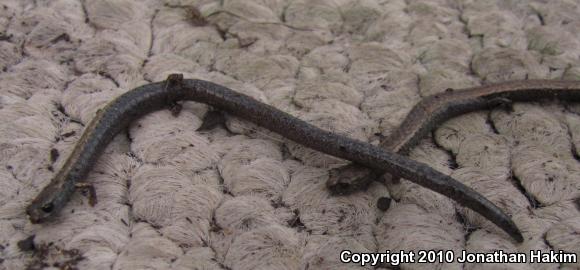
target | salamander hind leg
x=505, y=104
x=349, y=179
x=174, y=81
x=211, y=120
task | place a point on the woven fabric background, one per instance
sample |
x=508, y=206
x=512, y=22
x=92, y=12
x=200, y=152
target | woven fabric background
x=241, y=197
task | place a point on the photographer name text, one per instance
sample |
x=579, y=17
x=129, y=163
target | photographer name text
x=449, y=256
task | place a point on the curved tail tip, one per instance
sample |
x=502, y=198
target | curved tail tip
x=517, y=235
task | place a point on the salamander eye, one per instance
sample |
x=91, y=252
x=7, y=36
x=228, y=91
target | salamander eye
x=47, y=207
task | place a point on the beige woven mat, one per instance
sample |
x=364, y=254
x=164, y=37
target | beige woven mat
x=239, y=197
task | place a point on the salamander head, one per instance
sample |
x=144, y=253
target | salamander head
x=46, y=204
x=38, y=213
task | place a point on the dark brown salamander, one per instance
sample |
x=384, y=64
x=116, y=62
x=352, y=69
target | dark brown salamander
x=139, y=101
x=435, y=109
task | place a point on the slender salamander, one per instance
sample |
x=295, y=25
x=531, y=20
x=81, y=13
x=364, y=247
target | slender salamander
x=436, y=109
x=155, y=96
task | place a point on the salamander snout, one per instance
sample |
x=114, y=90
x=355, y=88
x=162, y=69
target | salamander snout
x=38, y=213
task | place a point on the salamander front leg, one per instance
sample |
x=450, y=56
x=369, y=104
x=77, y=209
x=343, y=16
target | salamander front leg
x=89, y=191
x=175, y=108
